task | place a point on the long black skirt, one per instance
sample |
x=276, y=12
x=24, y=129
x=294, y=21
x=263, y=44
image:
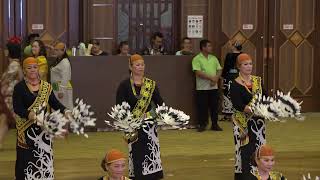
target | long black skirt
x=243, y=152
x=36, y=161
x=144, y=154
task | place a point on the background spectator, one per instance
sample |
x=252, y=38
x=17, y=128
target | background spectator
x=186, y=46
x=156, y=45
x=124, y=48
x=207, y=70
x=96, y=50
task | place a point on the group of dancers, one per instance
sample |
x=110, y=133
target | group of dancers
x=24, y=89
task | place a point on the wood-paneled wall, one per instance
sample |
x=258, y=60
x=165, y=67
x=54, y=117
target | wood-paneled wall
x=241, y=21
x=99, y=22
x=1, y=37
x=194, y=7
x=60, y=20
x=295, y=59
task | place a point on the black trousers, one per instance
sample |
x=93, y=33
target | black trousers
x=207, y=100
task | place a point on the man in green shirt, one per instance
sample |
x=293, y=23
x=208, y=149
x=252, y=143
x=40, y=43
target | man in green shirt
x=208, y=71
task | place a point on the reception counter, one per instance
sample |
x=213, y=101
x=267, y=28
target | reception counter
x=95, y=79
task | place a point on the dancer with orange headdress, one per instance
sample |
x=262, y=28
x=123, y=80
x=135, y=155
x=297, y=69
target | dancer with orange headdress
x=263, y=161
x=9, y=79
x=61, y=76
x=114, y=163
x=248, y=129
x=34, y=146
x=143, y=96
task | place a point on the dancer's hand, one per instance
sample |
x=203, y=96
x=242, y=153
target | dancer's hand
x=247, y=109
x=214, y=79
x=32, y=116
x=68, y=115
x=63, y=135
x=60, y=95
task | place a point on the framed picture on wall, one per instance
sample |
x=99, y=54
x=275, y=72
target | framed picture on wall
x=195, y=26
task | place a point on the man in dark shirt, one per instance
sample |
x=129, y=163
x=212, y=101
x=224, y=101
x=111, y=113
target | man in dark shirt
x=156, y=47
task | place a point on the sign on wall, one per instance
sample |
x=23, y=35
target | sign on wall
x=195, y=26
x=37, y=26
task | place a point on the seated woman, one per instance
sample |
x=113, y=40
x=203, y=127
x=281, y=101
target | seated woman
x=27, y=52
x=40, y=53
x=263, y=162
x=114, y=164
x=186, y=47
x=60, y=75
x=124, y=48
x=96, y=49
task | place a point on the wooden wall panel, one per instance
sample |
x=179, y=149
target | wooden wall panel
x=296, y=39
x=36, y=14
x=241, y=21
x=74, y=23
x=194, y=7
x=99, y=22
x=1, y=36
x=57, y=17
x=60, y=20
x=102, y=1
x=52, y=14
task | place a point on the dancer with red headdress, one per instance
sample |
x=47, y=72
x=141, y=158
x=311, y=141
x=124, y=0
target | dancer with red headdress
x=9, y=79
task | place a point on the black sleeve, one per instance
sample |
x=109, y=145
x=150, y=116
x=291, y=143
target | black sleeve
x=227, y=65
x=235, y=94
x=104, y=53
x=55, y=103
x=264, y=91
x=17, y=99
x=121, y=93
x=145, y=51
x=156, y=97
x=248, y=176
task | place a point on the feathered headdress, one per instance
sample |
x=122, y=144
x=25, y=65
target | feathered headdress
x=14, y=40
x=14, y=47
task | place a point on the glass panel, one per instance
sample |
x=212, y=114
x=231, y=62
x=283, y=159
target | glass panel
x=155, y=10
x=141, y=9
x=123, y=25
x=166, y=27
x=134, y=10
x=127, y=7
x=148, y=10
x=166, y=18
x=163, y=7
x=152, y=15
